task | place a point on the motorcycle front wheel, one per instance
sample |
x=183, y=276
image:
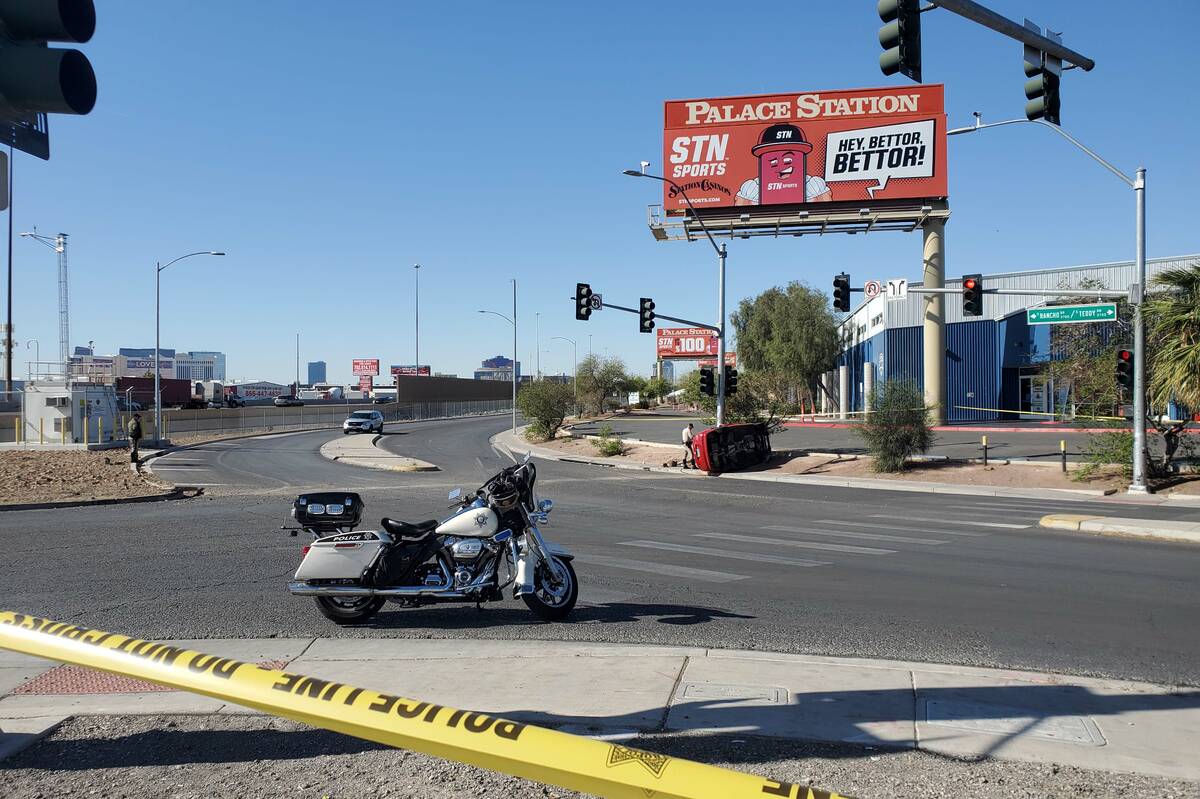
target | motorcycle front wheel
x=554, y=594
x=350, y=609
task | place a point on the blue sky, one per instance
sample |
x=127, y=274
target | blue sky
x=329, y=146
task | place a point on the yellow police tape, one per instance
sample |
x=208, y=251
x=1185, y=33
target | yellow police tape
x=512, y=747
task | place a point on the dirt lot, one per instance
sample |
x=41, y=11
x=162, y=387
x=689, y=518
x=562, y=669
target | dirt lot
x=27, y=477
x=998, y=474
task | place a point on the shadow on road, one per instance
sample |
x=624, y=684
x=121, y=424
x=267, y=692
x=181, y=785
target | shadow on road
x=465, y=617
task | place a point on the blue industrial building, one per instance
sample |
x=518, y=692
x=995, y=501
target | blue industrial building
x=995, y=364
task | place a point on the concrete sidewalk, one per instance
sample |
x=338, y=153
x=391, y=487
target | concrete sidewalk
x=364, y=450
x=620, y=691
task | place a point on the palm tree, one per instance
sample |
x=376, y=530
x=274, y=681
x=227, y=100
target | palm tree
x=1173, y=316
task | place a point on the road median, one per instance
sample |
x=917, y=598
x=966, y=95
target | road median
x=364, y=451
x=1188, y=532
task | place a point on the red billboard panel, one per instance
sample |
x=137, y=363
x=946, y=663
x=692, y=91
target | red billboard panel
x=365, y=366
x=686, y=342
x=366, y=383
x=730, y=360
x=804, y=149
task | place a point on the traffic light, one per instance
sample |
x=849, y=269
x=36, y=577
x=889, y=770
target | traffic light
x=972, y=286
x=36, y=80
x=900, y=38
x=1125, y=369
x=707, y=386
x=583, y=301
x=1041, y=90
x=730, y=380
x=841, y=293
x=646, y=315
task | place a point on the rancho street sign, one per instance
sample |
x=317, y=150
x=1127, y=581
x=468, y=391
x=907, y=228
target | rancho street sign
x=1072, y=314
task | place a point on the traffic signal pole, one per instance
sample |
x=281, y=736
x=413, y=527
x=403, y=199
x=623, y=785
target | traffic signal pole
x=1136, y=293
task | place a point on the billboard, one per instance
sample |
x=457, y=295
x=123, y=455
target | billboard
x=686, y=342
x=409, y=369
x=730, y=361
x=365, y=366
x=366, y=383
x=854, y=145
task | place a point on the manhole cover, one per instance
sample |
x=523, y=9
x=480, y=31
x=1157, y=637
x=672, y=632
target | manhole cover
x=762, y=694
x=1000, y=720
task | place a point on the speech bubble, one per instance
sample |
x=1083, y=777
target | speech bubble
x=880, y=154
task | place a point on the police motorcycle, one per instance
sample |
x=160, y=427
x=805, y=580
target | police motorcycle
x=491, y=541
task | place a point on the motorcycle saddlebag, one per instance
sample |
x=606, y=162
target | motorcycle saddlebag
x=399, y=564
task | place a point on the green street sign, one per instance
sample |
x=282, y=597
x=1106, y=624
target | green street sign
x=1072, y=314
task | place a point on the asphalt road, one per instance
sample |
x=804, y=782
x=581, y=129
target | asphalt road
x=1031, y=442
x=661, y=558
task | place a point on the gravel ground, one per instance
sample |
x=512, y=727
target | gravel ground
x=27, y=476
x=189, y=757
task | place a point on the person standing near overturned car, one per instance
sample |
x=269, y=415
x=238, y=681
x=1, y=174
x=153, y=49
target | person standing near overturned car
x=134, y=429
x=688, y=435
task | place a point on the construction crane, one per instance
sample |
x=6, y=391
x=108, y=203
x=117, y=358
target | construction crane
x=59, y=245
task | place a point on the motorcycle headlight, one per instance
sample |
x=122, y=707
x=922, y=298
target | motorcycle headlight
x=314, y=508
x=334, y=510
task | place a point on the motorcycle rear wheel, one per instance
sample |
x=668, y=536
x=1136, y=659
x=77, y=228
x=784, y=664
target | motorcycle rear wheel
x=549, y=601
x=349, y=610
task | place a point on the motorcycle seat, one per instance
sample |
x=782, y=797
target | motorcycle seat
x=408, y=532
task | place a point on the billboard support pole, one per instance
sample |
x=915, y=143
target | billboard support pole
x=514, y=363
x=934, y=321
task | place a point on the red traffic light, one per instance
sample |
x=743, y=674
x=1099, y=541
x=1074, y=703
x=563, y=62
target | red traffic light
x=969, y=283
x=1125, y=355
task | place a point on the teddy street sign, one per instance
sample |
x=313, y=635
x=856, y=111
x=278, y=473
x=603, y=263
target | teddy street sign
x=1071, y=314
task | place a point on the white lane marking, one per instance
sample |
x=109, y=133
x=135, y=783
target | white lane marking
x=900, y=539
x=939, y=531
x=704, y=575
x=1028, y=508
x=724, y=553
x=908, y=518
x=190, y=483
x=162, y=466
x=762, y=539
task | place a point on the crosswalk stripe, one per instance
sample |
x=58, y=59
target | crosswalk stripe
x=703, y=575
x=908, y=518
x=877, y=526
x=761, y=539
x=989, y=506
x=724, y=553
x=899, y=539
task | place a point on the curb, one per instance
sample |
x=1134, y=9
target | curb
x=1185, y=532
x=1069, y=494
x=368, y=461
x=180, y=492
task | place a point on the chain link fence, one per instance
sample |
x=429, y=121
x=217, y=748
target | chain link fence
x=181, y=425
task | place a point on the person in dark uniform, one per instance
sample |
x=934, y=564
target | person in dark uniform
x=134, y=429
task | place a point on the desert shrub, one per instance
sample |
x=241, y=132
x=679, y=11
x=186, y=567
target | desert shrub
x=898, y=426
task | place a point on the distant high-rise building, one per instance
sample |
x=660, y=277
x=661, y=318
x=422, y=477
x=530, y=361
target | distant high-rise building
x=497, y=368
x=218, y=358
x=316, y=372
x=668, y=370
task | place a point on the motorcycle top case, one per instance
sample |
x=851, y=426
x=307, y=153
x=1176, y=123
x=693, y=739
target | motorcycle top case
x=327, y=511
x=731, y=447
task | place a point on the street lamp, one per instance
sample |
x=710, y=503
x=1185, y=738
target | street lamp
x=158, y=270
x=513, y=322
x=37, y=357
x=417, y=317
x=719, y=372
x=1138, y=184
x=574, y=368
